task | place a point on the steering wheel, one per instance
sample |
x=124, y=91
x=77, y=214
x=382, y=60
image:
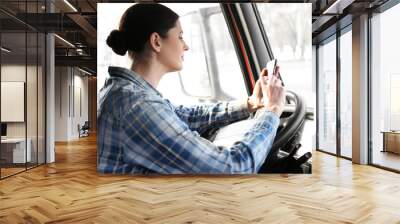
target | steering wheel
x=291, y=120
x=281, y=158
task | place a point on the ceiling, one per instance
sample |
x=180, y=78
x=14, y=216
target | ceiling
x=76, y=23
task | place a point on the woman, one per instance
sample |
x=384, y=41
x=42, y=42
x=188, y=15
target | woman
x=140, y=132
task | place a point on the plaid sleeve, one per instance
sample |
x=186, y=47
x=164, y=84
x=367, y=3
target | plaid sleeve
x=155, y=138
x=202, y=117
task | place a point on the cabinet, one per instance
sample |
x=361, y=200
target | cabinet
x=391, y=141
x=13, y=150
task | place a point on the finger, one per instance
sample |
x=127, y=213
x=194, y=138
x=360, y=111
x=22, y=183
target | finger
x=275, y=78
x=277, y=82
x=264, y=72
x=264, y=80
x=257, y=86
x=272, y=79
x=277, y=70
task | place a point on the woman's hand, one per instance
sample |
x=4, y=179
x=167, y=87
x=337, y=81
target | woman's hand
x=272, y=89
x=255, y=101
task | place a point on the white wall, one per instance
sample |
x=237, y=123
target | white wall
x=79, y=117
x=12, y=73
x=61, y=103
x=70, y=83
x=33, y=126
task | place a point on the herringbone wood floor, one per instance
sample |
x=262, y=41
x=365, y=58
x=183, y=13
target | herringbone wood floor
x=70, y=191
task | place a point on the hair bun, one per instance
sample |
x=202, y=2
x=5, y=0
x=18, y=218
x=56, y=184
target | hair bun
x=117, y=41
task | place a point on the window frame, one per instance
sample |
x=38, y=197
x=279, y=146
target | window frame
x=326, y=39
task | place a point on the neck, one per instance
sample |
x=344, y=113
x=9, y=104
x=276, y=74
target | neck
x=149, y=71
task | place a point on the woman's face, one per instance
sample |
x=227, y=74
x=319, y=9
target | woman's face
x=173, y=48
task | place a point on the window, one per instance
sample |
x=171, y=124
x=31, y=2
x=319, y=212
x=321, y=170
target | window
x=346, y=94
x=194, y=75
x=385, y=84
x=327, y=96
x=229, y=75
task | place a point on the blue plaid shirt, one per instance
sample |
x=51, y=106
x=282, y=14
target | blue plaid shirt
x=139, y=132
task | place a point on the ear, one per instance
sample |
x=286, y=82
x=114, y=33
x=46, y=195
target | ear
x=155, y=42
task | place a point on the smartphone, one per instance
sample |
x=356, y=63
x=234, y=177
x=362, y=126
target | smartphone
x=271, y=67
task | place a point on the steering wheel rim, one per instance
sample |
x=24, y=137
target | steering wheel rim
x=290, y=121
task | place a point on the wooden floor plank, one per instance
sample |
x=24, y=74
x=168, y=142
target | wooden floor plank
x=71, y=191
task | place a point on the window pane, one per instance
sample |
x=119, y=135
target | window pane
x=346, y=94
x=194, y=75
x=327, y=96
x=230, y=76
x=385, y=87
x=288, y=28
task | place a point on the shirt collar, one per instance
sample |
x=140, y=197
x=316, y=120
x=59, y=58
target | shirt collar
x=132, y=76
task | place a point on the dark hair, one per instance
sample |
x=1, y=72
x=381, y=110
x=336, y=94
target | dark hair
x=137, y=24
